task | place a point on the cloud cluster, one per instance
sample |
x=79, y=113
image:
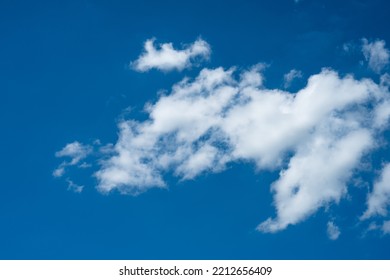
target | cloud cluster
x=317, y=137
x=166, y=58
x=219, y=117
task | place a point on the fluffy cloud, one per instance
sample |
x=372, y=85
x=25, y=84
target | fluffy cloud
x=333, y=231
x=376, y=54
x=379, y=198
x=221, y=117
x=317, y=137
x=290, y=76
x=75, y=152
x=166, y=58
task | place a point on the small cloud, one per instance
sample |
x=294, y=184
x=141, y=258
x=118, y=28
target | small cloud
x=59, y=171
x=379, y=198
x=347, y=47
x=375, y=54
x=166, y=58
x=375, y=227
x=290, y=76
x=333, y=231
x=85, y=165
x=76, y=152
x=74, y=187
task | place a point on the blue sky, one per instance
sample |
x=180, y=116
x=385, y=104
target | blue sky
x=70, y=73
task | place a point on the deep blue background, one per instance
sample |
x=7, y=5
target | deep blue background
x=64, y=76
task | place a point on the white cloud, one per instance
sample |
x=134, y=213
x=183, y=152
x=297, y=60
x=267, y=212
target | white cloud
x=76, y=152
x=316, y=176
x=166, y=58
x=317, y=137
x=206, y=123
x=379, y=199
x=376, y=54
x=333, y=231
x=290, y=76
